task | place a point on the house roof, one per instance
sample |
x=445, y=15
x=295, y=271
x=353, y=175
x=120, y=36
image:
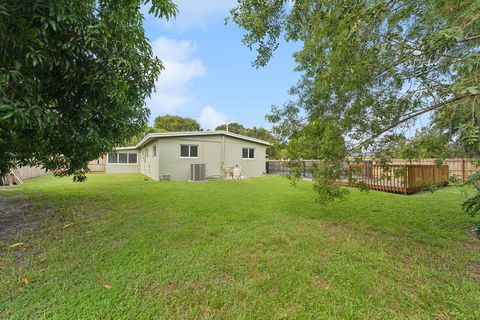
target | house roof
x=126, y=148
x=149, y=137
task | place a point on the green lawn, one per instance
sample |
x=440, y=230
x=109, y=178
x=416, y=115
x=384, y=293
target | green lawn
x=253, y=249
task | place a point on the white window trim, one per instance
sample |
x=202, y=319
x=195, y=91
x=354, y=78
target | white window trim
x=122, y=164
x=189, y=145
x=155, y=151
x=254, y=153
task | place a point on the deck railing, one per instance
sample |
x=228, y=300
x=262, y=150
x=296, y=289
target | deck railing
x=404, y=179
x=396, y=178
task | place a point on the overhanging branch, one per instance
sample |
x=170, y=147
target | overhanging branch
x=414, y=115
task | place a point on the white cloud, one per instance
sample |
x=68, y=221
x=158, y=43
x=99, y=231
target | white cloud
x=194, y=14
x=211, y=118
x=181, y=68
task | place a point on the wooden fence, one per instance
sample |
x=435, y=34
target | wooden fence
x=19, y=174
x=97, y=165
x=406, y=179
x=399, y=178
x=29, y=172
x=461, y=168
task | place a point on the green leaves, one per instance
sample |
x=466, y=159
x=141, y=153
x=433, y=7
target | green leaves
x=370, y=68
x=73, y=79
x=162, y=9
x=169, y=123
x=472, y=205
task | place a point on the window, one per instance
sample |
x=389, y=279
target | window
x=188, y=151
x=112, y=158
x=154, y=151
x=184, y=151
x=248, y=153
x=132, y=158
x=193, y=151
x=122, y=158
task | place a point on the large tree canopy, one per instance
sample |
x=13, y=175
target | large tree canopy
x=369, y=69
x=169, y=123
x=73, y=79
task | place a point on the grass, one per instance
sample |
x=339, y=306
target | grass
x=253, y=249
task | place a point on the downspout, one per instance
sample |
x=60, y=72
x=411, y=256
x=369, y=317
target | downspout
x=223, y=155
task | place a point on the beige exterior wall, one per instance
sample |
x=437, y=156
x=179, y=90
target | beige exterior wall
x=124, y=168
x=250, y=167
x=170, y=162
x=149, y=162
x=218, y=152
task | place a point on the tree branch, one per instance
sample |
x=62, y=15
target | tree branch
x=470, y=38
x=414, y=115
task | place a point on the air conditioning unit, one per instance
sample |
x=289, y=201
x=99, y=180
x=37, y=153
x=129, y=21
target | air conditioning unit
x=164, y=177
x=197, y=172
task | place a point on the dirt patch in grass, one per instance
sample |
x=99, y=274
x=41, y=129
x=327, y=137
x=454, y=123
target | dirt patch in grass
x=170, y=288
x=473, y=269
x=15, y=217
x=321, y=283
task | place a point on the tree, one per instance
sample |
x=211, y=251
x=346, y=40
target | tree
x=461, y=127
x=138, y=137
x=171, y=123
x=369, y=69
x=234, y=127
x=73, y=79
x=429, y=142
x=273, y=152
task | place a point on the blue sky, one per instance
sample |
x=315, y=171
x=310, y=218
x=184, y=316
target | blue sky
x=208, y=74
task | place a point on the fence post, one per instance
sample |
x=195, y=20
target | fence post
x=463, y=169
x=406, y=184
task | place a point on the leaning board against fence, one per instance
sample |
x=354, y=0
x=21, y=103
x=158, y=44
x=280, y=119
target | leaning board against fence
x=19, y=174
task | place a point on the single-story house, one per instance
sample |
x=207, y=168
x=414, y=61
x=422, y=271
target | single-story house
x=173, y=156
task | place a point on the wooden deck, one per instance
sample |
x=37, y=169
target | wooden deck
x=404, y=179
x=386, y=185
x=394, y=178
